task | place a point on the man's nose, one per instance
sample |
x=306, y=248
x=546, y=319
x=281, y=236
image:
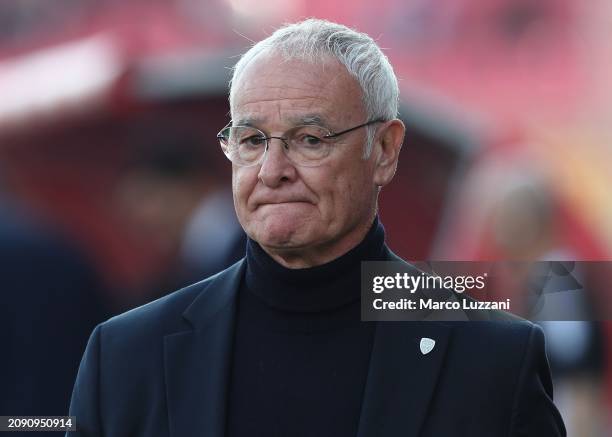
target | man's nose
x=276, y=167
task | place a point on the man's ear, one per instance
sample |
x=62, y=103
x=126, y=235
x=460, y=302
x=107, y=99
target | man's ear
x=386, y=149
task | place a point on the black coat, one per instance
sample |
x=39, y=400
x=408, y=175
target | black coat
x=162, y=370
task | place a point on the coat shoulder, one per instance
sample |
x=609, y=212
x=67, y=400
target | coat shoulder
x=165, y=315
x=505, y=339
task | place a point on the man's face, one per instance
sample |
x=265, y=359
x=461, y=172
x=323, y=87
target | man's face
x=303, y=215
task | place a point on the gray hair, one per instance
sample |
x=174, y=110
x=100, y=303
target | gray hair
x=312, y=40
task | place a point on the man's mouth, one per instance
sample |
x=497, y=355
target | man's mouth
x=283, y=202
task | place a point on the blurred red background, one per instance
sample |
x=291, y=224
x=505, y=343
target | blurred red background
x=507, y=104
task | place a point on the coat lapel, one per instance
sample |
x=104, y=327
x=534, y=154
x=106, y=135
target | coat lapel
x=401, y=380
x=197, y=361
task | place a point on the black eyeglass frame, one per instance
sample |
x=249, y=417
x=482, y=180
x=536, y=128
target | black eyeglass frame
x=330, y=135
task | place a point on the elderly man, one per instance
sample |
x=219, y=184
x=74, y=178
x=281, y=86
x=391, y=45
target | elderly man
x=274, y=345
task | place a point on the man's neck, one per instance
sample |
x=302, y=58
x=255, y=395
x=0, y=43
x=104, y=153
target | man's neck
x=302, y=258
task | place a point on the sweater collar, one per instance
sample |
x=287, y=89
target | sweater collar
x=320, y=288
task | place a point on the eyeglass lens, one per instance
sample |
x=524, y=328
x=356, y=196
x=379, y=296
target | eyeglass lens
x=304, y=145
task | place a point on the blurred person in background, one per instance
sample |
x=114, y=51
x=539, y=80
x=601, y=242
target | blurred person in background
x=524, y=228
x=274, y=345
x=169, y=193
x=50, y=299
x=509, y=209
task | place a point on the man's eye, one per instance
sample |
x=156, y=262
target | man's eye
x=310, y=141
x=252, y=141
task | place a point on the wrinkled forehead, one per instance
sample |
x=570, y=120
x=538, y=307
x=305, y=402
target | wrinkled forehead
x=296, y=90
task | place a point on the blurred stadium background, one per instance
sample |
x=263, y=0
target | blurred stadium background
x=114, y=191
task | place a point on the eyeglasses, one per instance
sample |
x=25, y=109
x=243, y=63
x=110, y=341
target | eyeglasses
x=304, y=145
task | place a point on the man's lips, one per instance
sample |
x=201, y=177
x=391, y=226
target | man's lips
x=284, y=202
x=271, y=198
x=280, y=201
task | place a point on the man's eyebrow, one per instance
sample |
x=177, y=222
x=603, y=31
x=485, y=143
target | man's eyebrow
x=308, y=119
x=246, y=121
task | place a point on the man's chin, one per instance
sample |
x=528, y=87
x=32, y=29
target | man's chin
x=281, y=234
x=279, y=240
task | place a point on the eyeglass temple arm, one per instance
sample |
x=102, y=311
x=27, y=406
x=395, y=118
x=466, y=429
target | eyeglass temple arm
x=378, y=120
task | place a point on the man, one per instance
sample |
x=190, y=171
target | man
x=274, y=345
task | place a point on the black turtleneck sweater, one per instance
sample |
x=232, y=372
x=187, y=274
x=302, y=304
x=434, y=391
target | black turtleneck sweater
x=301, y=353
